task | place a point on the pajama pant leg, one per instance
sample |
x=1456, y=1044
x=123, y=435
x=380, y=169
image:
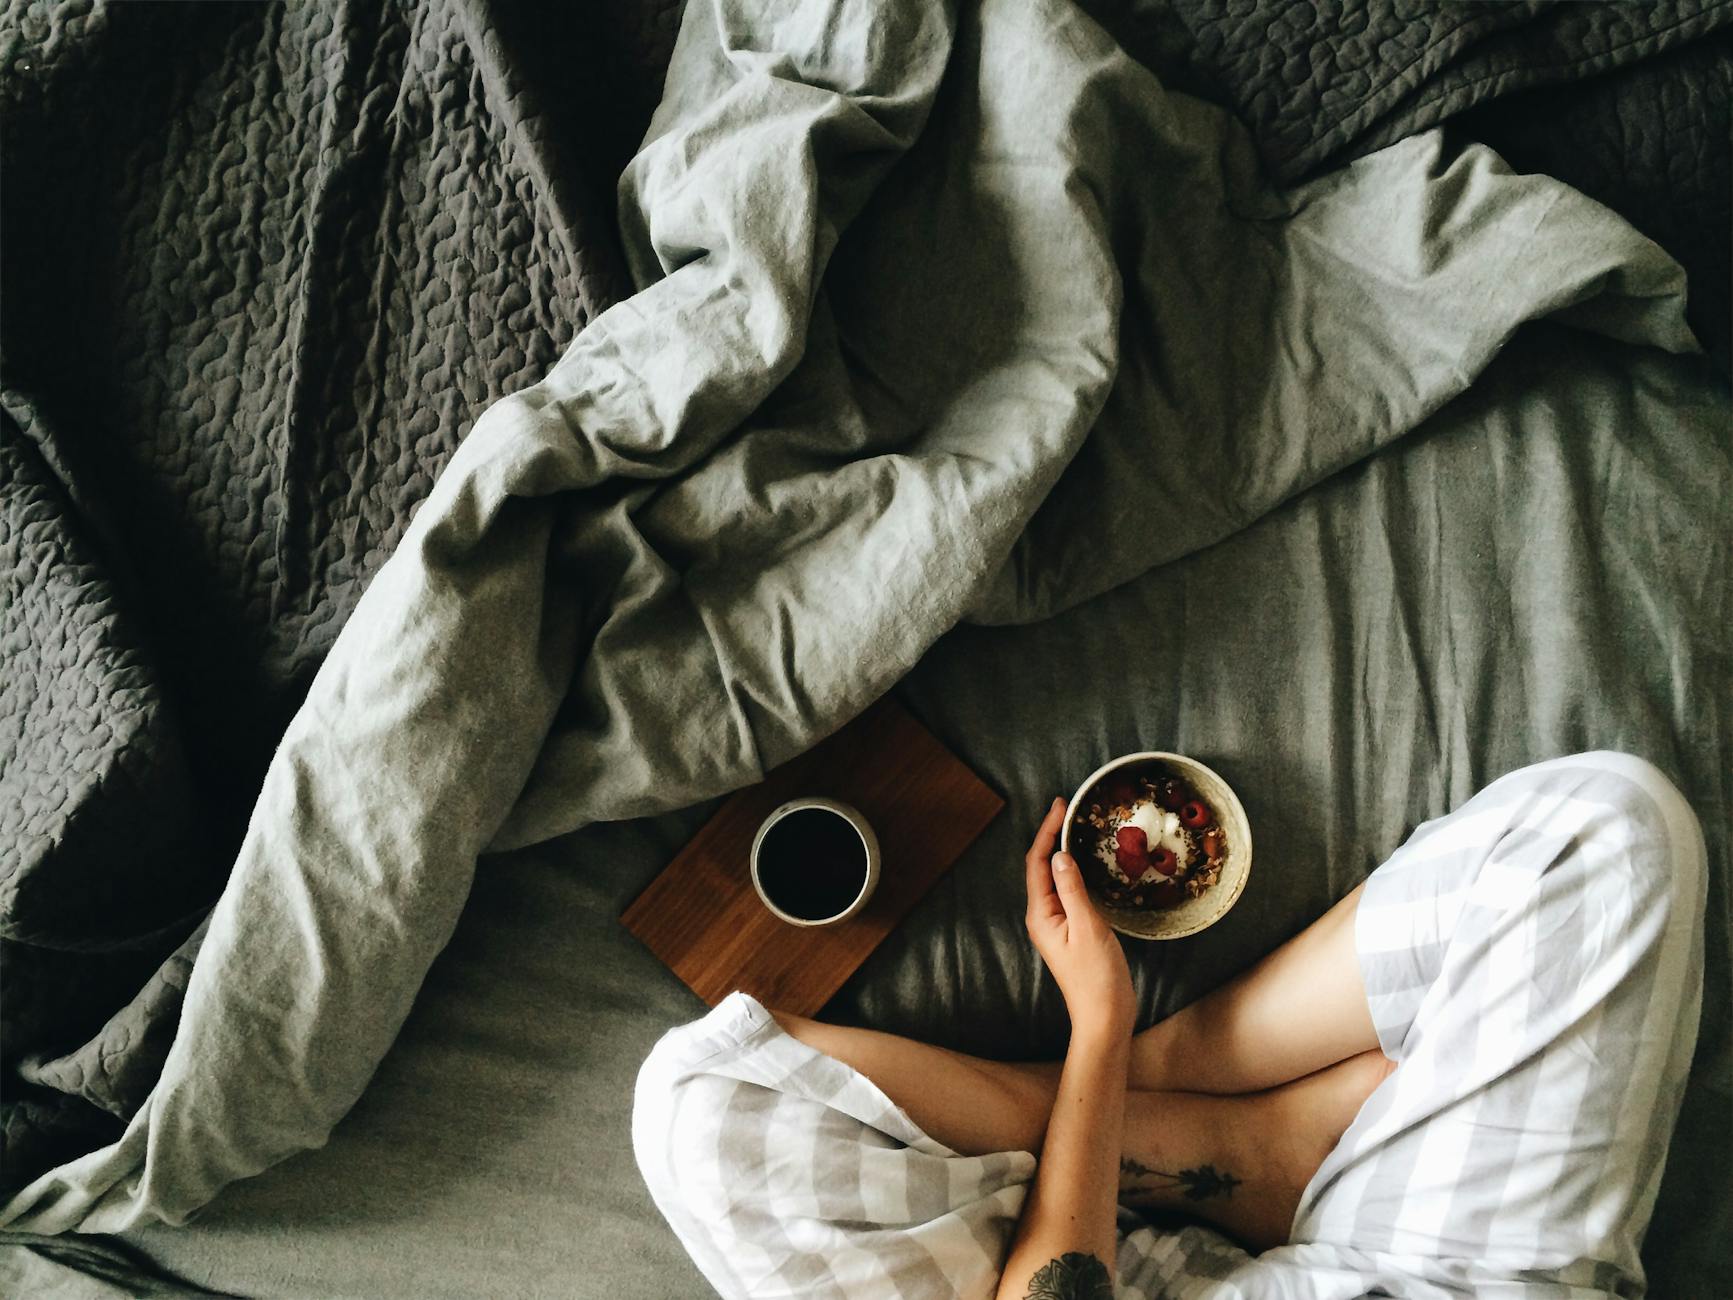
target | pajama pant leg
x=1533, y=962
x=786, y=1173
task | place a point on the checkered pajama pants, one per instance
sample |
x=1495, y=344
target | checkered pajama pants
x=1533, y=963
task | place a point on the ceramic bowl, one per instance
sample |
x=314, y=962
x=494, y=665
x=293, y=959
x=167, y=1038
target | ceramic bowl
x=1194, y=914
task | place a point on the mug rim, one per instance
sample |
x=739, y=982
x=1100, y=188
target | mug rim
x=869, y=844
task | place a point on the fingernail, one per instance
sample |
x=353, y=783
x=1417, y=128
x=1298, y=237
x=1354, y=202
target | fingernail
x=1061, y=862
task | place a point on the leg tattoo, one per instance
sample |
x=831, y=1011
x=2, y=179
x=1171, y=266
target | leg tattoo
x=1139, y=1184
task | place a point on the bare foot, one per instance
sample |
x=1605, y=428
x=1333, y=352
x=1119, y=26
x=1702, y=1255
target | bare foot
x=1241, y=1162
x=1297, y=1125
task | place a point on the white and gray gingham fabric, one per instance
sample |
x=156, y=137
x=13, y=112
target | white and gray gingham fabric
x=1533, y=962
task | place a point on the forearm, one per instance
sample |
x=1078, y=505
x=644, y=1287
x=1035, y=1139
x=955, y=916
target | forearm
x=1072, y=1207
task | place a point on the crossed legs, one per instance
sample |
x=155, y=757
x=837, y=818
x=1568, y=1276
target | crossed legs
x=1535, y=959
x=1234, y=1101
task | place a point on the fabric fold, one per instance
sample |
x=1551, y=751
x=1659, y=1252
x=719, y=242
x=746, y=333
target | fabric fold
x=898, y=277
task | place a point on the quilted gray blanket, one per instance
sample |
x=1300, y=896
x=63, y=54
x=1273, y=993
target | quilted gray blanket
x=1630, y=103
x=929, y=320
x=264, y=265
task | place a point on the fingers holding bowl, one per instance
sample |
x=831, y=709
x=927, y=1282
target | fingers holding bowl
x=1073, y=894
x=1038, y=865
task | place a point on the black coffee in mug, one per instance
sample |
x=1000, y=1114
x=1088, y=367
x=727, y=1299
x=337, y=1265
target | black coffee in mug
x=812, y=863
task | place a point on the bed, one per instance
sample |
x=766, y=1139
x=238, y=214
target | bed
x=1523, y=559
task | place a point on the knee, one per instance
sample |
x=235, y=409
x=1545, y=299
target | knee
x=1640, y=776
x=1644, y=817
x=677, y=1129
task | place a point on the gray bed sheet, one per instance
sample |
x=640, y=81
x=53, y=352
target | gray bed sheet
x=1542, y=568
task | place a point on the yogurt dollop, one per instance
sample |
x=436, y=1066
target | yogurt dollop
x=1160, y=827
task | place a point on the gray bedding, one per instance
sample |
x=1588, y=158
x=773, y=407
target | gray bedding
x=1630, y=103
x=293, y=252
x=1319, y=81
x=264, y=266
x=1539, y=567
x=1462, y=603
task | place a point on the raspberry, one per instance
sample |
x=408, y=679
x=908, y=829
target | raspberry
x=1172, y=795
x=1131, y=851
x=1193, y=815
x=1162, y=859
x=1166, y=893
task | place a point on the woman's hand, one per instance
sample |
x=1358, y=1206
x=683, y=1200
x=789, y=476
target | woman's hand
x=1069, y=1217
x=1078, y=946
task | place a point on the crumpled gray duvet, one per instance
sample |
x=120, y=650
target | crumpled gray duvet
x=937, y=319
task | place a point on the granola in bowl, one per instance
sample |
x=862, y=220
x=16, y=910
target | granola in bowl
x=1162, y=842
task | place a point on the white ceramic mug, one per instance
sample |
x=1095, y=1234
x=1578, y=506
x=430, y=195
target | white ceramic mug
x=869, y=842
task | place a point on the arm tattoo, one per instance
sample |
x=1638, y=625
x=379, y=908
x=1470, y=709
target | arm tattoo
x=1194, y=1184
x=1073, y=1276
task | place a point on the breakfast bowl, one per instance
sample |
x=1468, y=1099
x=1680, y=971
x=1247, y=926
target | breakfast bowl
x=1162, y=843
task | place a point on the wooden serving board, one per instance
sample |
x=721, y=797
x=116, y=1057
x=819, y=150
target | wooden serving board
x=702, y=917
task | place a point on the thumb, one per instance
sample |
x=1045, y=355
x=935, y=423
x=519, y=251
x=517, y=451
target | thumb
x=1068, y=884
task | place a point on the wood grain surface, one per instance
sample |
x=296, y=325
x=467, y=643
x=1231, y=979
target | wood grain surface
x=703, y=919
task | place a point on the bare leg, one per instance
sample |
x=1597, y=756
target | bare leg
x=971, y=1105
x=1300, y=1009
x=1239, y=1162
